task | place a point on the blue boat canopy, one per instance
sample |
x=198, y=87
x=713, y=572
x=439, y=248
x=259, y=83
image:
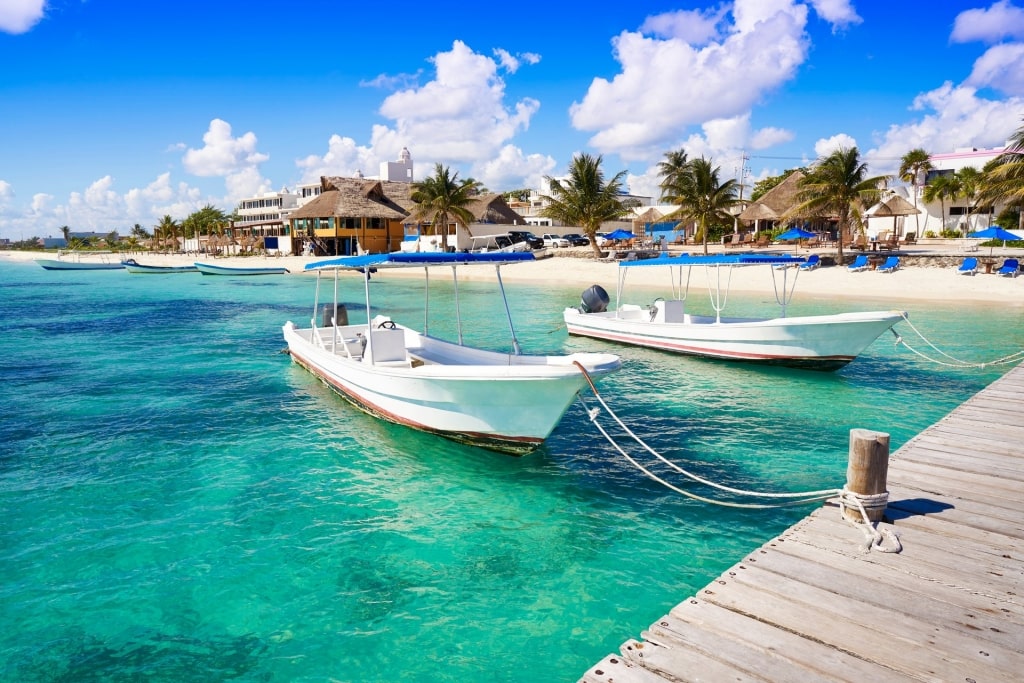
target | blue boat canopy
x=716, y=260
x=400, y=259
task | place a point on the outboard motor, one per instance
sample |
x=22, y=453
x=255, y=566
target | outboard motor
x=594, y=300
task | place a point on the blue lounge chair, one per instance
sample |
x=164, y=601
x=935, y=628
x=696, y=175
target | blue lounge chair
x=860, y=263
x=969, y=266
x=1010, y=268
x=812, y=262
x=891, y=265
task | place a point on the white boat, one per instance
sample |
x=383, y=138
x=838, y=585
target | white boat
x=818, y=342
x=72, y=260
x=502, y=400
x=212, y=269
x=133, y=266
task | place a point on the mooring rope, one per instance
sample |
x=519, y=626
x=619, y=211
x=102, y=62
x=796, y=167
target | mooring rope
x=956, y=362
x=873, y=535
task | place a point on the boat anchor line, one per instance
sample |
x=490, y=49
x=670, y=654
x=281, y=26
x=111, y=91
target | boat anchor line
x=952, y=361
x=875, y=537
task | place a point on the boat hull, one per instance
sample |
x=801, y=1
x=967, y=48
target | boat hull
x=498, y=401
x=54, y=264
x=824, y=342
x=139, y=268
x=210, y=269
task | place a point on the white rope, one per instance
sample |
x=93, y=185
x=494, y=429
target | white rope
x=873, y=536
x=862, y=502
x=956, y=362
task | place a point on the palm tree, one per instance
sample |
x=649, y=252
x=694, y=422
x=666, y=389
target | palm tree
x=940, y=189
x=703, y=197
x=584, y=199
x=66, y=231
x=166, y=230
x=442, y=196
x=139, y=232
x=970, y=185
x=915, y=164
x=838, y=185
x=675, y=173
x=1004, y=180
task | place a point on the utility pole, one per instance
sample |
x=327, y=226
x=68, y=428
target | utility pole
x=741, y=174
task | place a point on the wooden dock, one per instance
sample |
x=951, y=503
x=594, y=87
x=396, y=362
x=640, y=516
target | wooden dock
x=814, y=605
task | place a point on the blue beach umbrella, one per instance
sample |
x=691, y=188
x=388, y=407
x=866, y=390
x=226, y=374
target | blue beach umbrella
x=994, y=233
x=796, y=234
x=619, y=235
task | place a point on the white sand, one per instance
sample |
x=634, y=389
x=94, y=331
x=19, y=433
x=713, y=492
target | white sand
x=911, y=283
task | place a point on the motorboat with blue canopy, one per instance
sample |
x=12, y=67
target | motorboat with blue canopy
x=818, y=342
x=503, y=400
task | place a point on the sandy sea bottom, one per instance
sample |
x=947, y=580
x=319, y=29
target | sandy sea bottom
x=181, y=502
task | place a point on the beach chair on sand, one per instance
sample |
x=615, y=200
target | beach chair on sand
x=1010, y=268
x=891, y=265
x=812, y=262
x=860, y=263
x=969, y=266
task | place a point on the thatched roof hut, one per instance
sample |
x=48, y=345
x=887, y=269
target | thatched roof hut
x=358, y=198
x=492, y=208
x=778, y=200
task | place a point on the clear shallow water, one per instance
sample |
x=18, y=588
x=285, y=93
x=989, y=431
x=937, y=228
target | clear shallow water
x=180, y=502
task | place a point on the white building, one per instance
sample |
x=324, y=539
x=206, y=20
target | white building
x=398, y=171
x=960, y=213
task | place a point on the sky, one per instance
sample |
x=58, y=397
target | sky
x=114, y=113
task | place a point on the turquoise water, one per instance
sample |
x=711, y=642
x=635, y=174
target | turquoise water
x=182, y=503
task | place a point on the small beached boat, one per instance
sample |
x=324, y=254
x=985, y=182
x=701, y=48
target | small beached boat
x=502, y=400
x=72, y=260
x=817, y=342
x=210, y=269
x=133, y=266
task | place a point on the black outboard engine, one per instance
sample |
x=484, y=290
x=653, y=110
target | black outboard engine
x=594, y=300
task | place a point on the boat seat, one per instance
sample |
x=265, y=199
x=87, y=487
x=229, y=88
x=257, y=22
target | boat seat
x=669, y=311
x=387, y=346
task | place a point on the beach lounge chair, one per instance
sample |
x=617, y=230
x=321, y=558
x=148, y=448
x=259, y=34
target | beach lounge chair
x=969, y=266
x=812, y=262
x=1010, y=268
x=891, y=265
x=860, y=263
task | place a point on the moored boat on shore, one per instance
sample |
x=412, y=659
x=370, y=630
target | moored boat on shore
x=133, y=266
x=501, y=400
x=816, y=342
x=211, y=269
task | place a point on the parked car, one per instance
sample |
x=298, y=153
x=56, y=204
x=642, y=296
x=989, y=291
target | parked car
x=554, y=241
x=601, y=238
x=528, y=237
x=576, y=239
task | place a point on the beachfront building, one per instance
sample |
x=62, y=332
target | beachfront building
x=531, y=210
x=957, y=213
x=264, y=220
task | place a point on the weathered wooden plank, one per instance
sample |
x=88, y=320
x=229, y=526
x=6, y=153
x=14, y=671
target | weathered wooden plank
x=891, y=635
x=922, y=600
x=966, y=567
x=668, y=662
x=955, y=458
x=720, y=633
x=614, y=669
x=906, y=508
x=956, y=585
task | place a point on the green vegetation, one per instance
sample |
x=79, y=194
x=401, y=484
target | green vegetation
x=585, y=199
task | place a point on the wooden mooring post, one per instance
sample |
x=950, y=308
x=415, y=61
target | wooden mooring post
x=866, y=474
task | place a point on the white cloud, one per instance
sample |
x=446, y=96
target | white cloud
x=460, y=116
x=1001, y=67
x=769, y=137
x=1001, y=20
x=695, y=27
x=19, y=16
x=512, y=169
x=6, y=191
x=222, y=154
x=343, y=158
x=40, y=202
x=826, y=146
x=957, y=117
x=839, y=13
x=636, y=116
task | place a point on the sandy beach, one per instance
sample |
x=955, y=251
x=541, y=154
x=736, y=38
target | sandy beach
x=940, y=283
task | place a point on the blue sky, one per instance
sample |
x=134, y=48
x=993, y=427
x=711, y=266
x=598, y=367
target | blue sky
x=115, y=113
